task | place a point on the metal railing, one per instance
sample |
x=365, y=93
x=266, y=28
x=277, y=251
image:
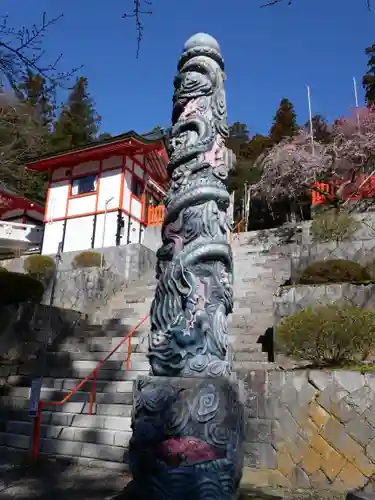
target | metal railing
x=92, y=375
x=235, y=233
x=28, y=233
x=324, y=191
x=155, y=215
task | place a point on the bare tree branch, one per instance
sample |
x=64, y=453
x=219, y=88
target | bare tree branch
x=137, y=14
x=274, y=2
x=290, y=168
x=21, y=50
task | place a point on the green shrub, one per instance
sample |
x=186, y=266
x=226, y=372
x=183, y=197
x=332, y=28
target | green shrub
x=87, y=259
x=333, y=226
x=328, y=335
x=370, y=266
x=17, y=287
x=334, y=271
x=41, y=267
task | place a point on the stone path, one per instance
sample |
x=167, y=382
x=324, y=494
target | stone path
x=57, y=480
x=268, y=493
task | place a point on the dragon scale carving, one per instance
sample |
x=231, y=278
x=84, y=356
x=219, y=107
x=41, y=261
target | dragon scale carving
x=194, y=293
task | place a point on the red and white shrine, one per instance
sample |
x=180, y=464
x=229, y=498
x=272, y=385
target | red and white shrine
x=99, y=195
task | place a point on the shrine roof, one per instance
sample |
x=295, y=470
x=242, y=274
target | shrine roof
x=138, y=144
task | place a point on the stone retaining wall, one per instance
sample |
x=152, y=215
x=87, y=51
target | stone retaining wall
x=86, y=290
x=290, y=299
x=310, y=429
x=28, y=330
x=129, y=261
x=83, y=290
x=361, y=251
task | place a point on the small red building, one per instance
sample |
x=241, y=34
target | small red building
x=16, y=208
x=99, y=194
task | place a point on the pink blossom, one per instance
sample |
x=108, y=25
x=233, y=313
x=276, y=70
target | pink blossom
x=291, y=167
x=189, y=449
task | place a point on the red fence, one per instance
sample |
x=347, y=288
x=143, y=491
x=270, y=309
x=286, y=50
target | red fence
x=354, y=191
x=155, y=215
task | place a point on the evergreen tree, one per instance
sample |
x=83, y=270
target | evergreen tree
x=238, y=137
x=34, y=90
x=247, y=152
x=104, y=136
x=368, y=80
x=78, y=123
x=257, y=145
x=284, y=122
x=21, y=137
x=321, y=129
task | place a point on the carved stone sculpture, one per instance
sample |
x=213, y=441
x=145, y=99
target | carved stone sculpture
x=194, y=293
x=187, y=441
x=187, y=416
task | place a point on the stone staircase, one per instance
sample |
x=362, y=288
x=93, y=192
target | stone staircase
x=102, y=439
x=258, y=272
x=68, y=430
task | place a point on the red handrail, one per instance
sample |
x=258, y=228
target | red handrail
x=236, y=230
x=93, y=374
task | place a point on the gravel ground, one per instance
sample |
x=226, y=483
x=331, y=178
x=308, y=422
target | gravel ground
x=57, y=480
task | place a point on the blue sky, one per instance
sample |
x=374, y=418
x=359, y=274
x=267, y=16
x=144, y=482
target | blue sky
x=270, y=53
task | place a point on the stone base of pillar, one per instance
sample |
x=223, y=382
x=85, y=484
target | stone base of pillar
x=188, y=436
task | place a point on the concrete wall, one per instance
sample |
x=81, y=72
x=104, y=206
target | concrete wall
x=362, y=251
x=152, y=237
x=310, y=429
x=83, y=290
x=29, y=329
x=130, y=261
x=86, y=290
x=360, y=247
x=290, y=299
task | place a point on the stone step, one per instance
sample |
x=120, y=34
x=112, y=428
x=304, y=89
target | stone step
x=51, y=394
x=103, y=452
x=239, y=354
x=250, y=324
x=75, y=407
x=118, y=356
x=112, y=328
x=241, y=340
x=103, y=344
x=107, y=322
x=252, y=365
x=134, y=301
x=117, y=386
x=81, y=369
x=71, y=433
x=16, y=455
x=244, y=357
x=250, y=345
x=110, y=365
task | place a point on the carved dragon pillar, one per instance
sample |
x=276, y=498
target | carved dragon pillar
x=187, y=416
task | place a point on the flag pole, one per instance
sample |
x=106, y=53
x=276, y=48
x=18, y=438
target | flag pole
x=356, y=103
x=310, y=120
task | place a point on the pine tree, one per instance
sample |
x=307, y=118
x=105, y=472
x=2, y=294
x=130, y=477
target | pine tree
x=21, y=137
x=34, y=90
x=78, y=123
x=321, y=130
x=368, y=80
x=284, y=122
x=104, y=136
x=238, y=137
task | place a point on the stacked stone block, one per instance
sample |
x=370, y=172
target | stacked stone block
x=310, y=429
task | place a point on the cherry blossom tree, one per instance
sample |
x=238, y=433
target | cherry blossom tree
x=291, y=167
